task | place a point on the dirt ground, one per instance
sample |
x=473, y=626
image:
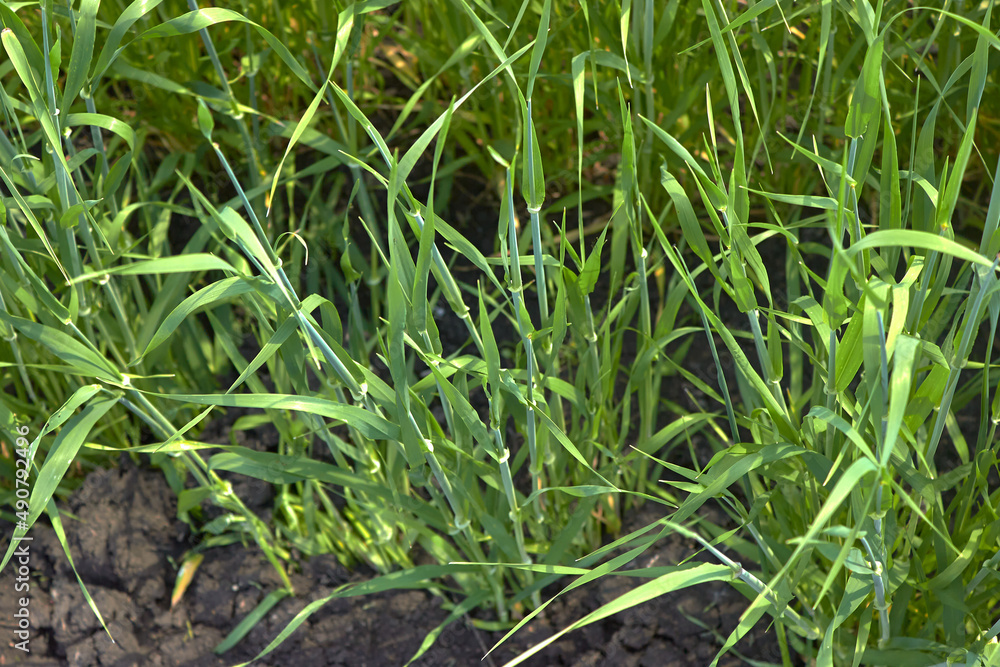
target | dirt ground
x=126, y=543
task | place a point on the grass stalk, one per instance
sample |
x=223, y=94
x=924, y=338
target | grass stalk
x=878, y=581
x=516, y=287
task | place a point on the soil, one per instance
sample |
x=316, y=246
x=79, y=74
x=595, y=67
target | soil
x=126, y=545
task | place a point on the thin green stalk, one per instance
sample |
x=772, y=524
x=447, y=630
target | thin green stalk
x=516, y=289
x=252, y=84
x=224, y=82
x=503, y=456
x=11, y=337
x=648, y=23
x=357, y=178
x=352, y=142
x=764, y=358
x=970, y=325
x=19, y=361
x=830, y=389
x=534, y=208
x=883, y=425
x=67, y=243
x=878, y=580
x=283, y=282
x=448, y=284
x=647, y=398
x=756, y=584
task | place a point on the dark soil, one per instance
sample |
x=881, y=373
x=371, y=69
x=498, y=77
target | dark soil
x=126, y=545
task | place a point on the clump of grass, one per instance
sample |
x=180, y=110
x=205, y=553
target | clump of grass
x=854, y=514
x=392, y=445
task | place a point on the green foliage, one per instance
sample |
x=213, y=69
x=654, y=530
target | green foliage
x=172, y=174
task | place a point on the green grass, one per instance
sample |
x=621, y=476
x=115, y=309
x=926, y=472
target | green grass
x=269, y=196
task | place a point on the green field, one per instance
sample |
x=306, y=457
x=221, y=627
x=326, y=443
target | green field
x=500, y=273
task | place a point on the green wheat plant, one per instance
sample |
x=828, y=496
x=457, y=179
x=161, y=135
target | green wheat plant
x=867, y=506
x=79, y=295
x=272, y=228
x=389, y=475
